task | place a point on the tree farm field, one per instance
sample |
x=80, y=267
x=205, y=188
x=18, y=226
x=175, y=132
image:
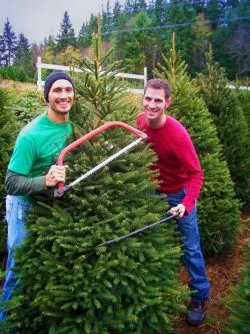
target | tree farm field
x=224, y=270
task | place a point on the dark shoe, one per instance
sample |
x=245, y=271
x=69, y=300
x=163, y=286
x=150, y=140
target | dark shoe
x=196, y=313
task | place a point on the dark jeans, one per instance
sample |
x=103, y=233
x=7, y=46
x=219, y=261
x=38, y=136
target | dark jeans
x=192, y=257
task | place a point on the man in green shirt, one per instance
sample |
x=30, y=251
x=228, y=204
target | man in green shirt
x=31, y=169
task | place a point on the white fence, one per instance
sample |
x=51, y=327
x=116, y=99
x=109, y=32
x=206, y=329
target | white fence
x=238, y=87
x=41, y=65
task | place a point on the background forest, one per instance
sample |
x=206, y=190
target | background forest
x=198, y=46
x=142, y=31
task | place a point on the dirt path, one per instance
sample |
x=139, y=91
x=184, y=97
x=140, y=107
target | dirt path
x=224, y=272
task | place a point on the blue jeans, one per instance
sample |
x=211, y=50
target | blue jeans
x=16, y=212
x=192, y=258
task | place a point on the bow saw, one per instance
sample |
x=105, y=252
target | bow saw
x=61, y=187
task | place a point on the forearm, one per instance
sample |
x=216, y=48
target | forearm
x=18, y=184
x=193, y=187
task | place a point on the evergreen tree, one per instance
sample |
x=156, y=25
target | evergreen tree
x=226, y=59
x=218, y=209
x=137, y=44
x=239, y=321
x=177, y=15
x=230, y=122
x=83, y=37
x=116, y=11
x=107, y=22
x=2, y=50
x=129, y=6
x=86, y=32
x=22, y=50
x=140, y=5
x=7, y=135
x=66, y=36
x=160, y=11
x=214, y=11
x=23, y=55
x=238, y=43
x=244, y=100
x=9, y=43
x=67, y=283
x=49, y=43
x=201, y=38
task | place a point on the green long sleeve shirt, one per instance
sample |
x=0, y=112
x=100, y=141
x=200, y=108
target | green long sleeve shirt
x=37, y=148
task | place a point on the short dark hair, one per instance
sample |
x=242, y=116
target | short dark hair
x=158, y=84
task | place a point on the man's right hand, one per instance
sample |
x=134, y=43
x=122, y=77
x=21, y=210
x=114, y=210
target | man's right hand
x=55, y=174
x=178, y=210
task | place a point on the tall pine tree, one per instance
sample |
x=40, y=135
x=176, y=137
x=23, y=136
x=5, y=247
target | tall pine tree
x=230, y=122
x=9, y=43
x=23, y=55
x=69, y=284
x=66, y=36
x=218, y=208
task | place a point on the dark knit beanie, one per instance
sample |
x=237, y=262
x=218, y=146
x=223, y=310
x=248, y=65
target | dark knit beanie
x=51, y=78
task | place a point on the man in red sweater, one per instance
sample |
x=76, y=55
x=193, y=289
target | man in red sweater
x=181, y=179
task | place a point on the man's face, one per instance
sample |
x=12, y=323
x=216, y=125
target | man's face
x=155, y=103
x=61, y=96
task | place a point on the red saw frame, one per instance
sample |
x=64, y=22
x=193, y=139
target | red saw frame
x=61, y=188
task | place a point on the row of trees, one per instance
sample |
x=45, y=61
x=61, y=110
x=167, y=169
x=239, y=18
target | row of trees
x=68, y=283
x=142, y=31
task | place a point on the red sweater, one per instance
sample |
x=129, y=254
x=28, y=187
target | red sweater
x=177, y=162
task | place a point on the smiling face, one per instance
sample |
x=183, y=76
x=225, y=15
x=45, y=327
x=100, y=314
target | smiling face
x=154, y=106
x=61, y=96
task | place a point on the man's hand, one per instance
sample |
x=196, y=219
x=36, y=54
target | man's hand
x=178, y=210
x=55, y=174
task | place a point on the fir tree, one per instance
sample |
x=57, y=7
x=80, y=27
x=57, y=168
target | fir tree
x=178, y=13
x=129, y=6
x=86, y=31
x=239, y=305
x=244, y=100
x=9, y=42
x=214, y=11
x=67, y=283
x=107, y=21
x=140, y=5
x=66, y=36
x=218, y=209
x=82, y=37
x=201, y=38
x=137, y=44
x=50, y=44
x=23, y=49
x=7, y=135
x=116, y=10
x=23, y=55
x=159, y=11
x=230, y=122
x=2, y=49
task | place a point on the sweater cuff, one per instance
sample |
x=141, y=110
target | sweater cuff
x=38, y=184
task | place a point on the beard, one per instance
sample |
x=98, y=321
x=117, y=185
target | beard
x=61, y=112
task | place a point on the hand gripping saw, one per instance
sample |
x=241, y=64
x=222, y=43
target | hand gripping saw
x=61, y=187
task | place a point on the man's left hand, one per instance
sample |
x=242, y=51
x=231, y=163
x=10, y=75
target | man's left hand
x=178, y=210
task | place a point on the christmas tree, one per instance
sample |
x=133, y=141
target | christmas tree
x=69, y=282
x=239, y=321
x=7, y=133
x=244, y=100
x=218, y=208
x=231, y=125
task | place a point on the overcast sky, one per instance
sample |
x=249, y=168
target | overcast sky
x=38, y=19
